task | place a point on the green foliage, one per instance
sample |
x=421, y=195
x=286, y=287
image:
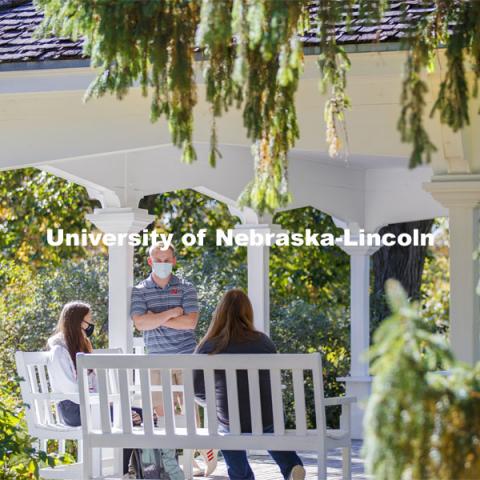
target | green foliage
x=414, y=89
x=18, y=459
x=301, y=327
x=420, y=423
x=31, y=201
x=317, y=275
x=456, y=26
x=31, y=302
x=333, y=63
x=435, y=289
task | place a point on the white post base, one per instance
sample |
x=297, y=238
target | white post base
x=359, y=387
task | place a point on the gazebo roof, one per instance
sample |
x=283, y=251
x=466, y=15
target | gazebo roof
x=19, y=19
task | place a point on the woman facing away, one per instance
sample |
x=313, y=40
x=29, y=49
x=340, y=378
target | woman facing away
x=232, y=331
x=72, y=335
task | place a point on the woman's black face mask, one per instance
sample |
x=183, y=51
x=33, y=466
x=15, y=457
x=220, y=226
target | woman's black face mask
x=89, y=330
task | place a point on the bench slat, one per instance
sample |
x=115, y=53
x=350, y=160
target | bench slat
x=319, y=402
x=50, y=419
x=277, y=401
x=189, y=401
x=37, y=404
x=147, y=409
x=168, y=401
x=125, y=401
x=104, y=405
x=211, y=400
x=255, y=400
x=232, y=398
x=299, y=398
x=85, y=406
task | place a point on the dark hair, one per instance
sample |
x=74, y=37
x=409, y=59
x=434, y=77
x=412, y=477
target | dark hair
x=232, y=320
x=70, y=325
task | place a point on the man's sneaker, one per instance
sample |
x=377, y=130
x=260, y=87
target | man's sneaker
x=209, y=463
x=297, y=473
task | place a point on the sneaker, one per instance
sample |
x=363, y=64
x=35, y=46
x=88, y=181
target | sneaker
x=209, y=463
x=196, y=470
x=297, y=473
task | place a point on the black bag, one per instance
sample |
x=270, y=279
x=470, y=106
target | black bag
x=147, y=463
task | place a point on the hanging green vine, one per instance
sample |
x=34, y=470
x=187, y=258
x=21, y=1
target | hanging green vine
x=455, y=25
x=252, y=59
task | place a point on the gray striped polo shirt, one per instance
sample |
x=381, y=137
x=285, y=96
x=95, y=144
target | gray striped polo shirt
x=148, y=296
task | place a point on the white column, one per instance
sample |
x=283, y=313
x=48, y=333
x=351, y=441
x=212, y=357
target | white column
x=258, y=258
x=120, y=270
x=358, y=383
x=462, y=198
x=360, y=312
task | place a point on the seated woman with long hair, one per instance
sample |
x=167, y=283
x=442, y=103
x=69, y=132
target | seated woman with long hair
x=72, y=335
x=232, y=331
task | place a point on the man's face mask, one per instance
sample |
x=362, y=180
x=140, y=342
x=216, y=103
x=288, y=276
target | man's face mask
x=162, y=269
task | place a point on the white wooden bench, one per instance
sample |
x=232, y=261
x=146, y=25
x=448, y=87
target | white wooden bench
x=171, y=435
x=42, y=418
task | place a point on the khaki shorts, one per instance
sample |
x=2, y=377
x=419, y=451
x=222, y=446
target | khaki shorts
x=157, y=397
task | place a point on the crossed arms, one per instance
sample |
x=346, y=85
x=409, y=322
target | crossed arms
x=173, y=318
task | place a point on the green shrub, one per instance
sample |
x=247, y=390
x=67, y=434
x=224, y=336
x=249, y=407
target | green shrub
x=18, y=458
x=420, y=424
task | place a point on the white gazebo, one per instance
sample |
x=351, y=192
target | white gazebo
x=110, y=148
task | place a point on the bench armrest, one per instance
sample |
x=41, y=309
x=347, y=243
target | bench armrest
x=339, y=401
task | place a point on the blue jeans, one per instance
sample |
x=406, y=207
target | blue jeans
x=239, y=468
x=70, y=415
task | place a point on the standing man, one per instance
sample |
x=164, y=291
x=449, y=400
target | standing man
x=165, y=308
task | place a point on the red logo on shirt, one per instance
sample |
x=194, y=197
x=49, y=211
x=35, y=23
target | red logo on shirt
x=173, y=291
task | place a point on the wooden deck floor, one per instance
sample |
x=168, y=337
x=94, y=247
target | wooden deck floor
x=266, y=469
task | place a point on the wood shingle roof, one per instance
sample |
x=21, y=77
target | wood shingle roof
x=19, y=19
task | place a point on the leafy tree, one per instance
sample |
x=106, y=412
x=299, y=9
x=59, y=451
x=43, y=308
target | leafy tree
x=31, y=304
x=31, y=201
x=253, y=59
x=317, y=275
x=435, y=288
x=420, y=423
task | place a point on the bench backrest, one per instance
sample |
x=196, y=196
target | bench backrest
x=103, y=431
x=41, y=414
